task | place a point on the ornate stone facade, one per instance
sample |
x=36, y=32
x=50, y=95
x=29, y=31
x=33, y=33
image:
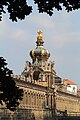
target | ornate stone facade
x=45, y=93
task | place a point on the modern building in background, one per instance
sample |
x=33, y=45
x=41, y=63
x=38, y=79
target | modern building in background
x=46, y=95
x=71, y=86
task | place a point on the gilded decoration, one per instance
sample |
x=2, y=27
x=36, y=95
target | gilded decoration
x=39, y=37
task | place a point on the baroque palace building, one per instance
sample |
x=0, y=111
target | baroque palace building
x=45, y=93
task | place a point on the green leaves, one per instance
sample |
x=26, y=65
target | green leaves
x=10, y=94
x=48, y=5
x=18, y=9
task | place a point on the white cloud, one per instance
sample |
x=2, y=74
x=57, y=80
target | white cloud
x=9, y=32
x=19, y=35
x=42, y=21
x=61, y=38
x=63, y=32
x=3, y=28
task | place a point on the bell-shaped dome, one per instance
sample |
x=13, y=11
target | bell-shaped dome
x=39, y=52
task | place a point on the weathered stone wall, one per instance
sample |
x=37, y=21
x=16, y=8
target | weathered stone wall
x=69, y=102
x=40, y=103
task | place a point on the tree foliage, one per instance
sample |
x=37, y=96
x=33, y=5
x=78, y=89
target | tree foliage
x=10, y=94
x=18, y=9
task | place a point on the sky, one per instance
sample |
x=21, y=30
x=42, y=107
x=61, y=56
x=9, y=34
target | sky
x=61, y=33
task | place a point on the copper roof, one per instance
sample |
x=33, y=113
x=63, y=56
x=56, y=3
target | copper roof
x=69, y=82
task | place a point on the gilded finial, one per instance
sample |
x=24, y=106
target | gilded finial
x=39, y=37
